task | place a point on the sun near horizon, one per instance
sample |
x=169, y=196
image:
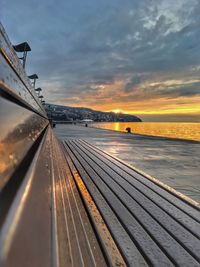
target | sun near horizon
x=117, y=111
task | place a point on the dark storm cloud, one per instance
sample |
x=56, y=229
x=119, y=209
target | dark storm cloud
x=79, y=44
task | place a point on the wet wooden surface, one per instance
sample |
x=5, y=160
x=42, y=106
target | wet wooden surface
x=79, y=206
x=47, y=223
x=160, y=228
x=177, y=162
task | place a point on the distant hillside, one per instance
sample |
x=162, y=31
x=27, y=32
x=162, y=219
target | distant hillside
x=63, y=113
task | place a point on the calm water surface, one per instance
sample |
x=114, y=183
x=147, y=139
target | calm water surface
x=189, y=131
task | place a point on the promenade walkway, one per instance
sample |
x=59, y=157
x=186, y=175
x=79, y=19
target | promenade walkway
x=176, y=163
x=138, y=220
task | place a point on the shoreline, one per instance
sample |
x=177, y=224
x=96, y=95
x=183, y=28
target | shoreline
x=146, y=135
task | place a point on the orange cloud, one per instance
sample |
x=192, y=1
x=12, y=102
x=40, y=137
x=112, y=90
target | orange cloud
x=145, y=98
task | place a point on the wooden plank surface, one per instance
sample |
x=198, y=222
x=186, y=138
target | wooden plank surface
x=47, y=223
x=163, y=228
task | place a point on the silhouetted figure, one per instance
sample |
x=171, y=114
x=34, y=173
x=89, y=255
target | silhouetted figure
x=52, y=123
x=128, y=129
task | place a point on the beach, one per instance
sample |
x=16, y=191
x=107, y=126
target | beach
x=174, y=162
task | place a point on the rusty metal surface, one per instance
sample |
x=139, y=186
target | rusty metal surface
x=164, y=228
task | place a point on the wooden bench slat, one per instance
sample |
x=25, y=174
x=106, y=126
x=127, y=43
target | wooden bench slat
x=76, y=235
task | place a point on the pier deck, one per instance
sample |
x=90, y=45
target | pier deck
x=177, y=162
x=150, y=225
x=79, y=206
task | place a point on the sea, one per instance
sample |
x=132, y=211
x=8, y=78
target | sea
x=177, y=130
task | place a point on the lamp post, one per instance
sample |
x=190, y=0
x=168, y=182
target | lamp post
x=38, y=90
x=22, y=48
x=33, y=77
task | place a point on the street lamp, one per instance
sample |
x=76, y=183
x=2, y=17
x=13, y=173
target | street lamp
x=33, y=77
x=22, y=48
x=38, y=90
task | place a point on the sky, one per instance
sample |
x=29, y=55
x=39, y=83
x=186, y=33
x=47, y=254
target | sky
x=139, y=57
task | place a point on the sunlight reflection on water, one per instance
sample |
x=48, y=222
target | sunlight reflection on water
x=181, y=130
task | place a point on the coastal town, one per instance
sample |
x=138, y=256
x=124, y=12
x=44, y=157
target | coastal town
x=69, y=114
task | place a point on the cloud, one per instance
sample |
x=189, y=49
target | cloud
x=136, y=80
x=80, y=46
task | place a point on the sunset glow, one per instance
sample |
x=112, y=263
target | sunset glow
x=116, y=111
x=165, y=96
x=137, y=59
